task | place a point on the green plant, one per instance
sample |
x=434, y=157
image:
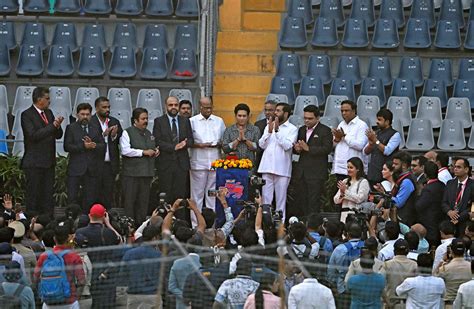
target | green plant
x=13, y=178
x=330, y=189
x=60, y=181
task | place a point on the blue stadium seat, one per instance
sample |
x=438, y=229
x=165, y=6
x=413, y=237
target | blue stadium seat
x=429, y=108
x=154, y=64
x=125, y=34
x=423, y=9
x=183, y=66
x=7, y=34
x=65, y=35
x=293, y=33
x=302, y=101
x=97, y=7
x=464, y=89
x=447, y=35
x=8, y=6
x=67, y=6
x=302, y=9
x=451, y=10
x=91, y=62
x=120, y=99
x=393, y=9
x=30, y=61
x=60, y=61
x=404, y=88
x=400, y=107
x=159, y=8
x=411, y=68
x=283, y=85
x=441, y=69
x=469, y=39
x=435, y=88
x=363, y=9
x=355, y=34
x=156, y=36
x=23, y=99
x=385, y=34
x=187, y=8
x=86, y=95
x=94, y=35
x=5, y=64
x=277, y=98
x=471, y=11
x=348, y=68
x=466, y=68
x=379, y=67
x=332, y=9
x=36, y=6
x=343, y=87
x=123, y=63
x=367, y=108
x=288, y=65
x=373, y=87
x=451, y=135
x=320, y=66
x=129, y=7
x=60, y=100
x=312, y=86
x=186, y=37
x=417, y=34
x=460, y=108
x=34, y=34
x=324, y=33
x=420, y=135
x=3, y=144
x=333, y=106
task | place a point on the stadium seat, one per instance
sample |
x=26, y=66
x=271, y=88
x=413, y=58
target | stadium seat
x=324, y=33
x=423, y=9
x=288, y=65
x=470, y=143
x=293, y=33
x=30, y=61
x=36, y=6
x=348, y=68
x=332, y=9
x=400, y=107
x=385, y=34
x=65, y=35
x=18, y=146
x=393, y=9
x=367, y=108
x=60, y=61
x=373, y=87
x=7, y=34
x=302, y=9
x=420, y=135
x=186, y=37
x=471, y=11
x=331, y=122
x=312, y=86
x=86, y=95
x=460, y=109
x=60, y=100
x=451, y=10
x=355, y=34
x=123, y=63
x=283, y=85
x=67, y=6
x=150, y=99
x=343, y=87
x=97, y=7
x=91, y=62
x=34, y=35
x=469, y=39
x=277, y=98
x=129, y=7
x=320, y=66
x=363, y=9
x=120, y=99
x=333, y=106
x=429, y=108
x=125, y=117
x=5, y=64
x=183, y=66
x=435, y=88
x=23, y=99
x=125, y=34
x=302, y=101
x=464, y=89
x=441, y=69
x=3, y=99
x=181, y=94
x=296, y=120
x=154, y=64
x=451, y=135
x=159, y=8
x=187, y=8
x=417, y=34
x=447, y=35
x=3, y=144
x=8, y=6
x=94, y=35
x=379, y=67
x=466, y=69
x=397, y=125
x=411, y=68
x=156, y=36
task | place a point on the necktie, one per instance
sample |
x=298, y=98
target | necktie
x=174, y=130
x=43, y=116
x=458, y=195
x=85, y=129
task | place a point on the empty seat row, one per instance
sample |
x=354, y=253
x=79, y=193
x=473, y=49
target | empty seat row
x=184, y=8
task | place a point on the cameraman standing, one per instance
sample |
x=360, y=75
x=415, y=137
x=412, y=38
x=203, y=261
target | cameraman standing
x=404, y=193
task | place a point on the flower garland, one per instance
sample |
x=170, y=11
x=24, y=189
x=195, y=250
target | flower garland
x=232, y=163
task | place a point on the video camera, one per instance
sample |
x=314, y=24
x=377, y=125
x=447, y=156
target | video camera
x=256, y=181
x=387, y=197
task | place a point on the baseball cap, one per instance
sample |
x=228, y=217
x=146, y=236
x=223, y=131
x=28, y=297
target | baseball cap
x=457, y=246
x=18, y=227
x=5, y=248
x=97, y=211
x=401, y=244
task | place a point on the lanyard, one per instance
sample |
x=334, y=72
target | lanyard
x=458, y=198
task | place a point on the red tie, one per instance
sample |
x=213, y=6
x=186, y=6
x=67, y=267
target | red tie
x=43, y=116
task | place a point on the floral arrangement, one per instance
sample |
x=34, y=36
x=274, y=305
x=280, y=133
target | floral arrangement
x=232, y=163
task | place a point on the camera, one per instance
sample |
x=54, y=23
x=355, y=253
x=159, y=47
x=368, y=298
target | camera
x=387, y=197
x=162, y=205
x=212, y=192
x=184, y=203
x=256, y=181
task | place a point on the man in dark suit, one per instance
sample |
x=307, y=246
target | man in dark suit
x=458, y=196
x=111, y=131
x=269, y=111
x=86, y=148
x=314, y=143
x=40, y=131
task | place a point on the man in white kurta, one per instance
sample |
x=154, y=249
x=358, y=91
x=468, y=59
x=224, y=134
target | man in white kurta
x=208, y=130
x=277, y=144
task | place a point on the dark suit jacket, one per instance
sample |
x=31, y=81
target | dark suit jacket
x=164, y=139
x=39, y=138
x=82, y=160
x=449, y=198
x=113, y=145
x=261, y=124
x=314, y=163
x=428, y=208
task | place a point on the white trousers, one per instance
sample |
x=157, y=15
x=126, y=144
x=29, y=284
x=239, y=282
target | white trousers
x=278, y=185
x=201, y=181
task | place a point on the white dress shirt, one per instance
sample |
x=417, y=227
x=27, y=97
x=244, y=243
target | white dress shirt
x=208, y=130
x=126, y=148
x=444, y=176
x=423, y=292
x=387, y=251
x=310, y=294
x=351, y=145
x=104, y=126
x=277, y=149
x=465, y=296
x=441, y=251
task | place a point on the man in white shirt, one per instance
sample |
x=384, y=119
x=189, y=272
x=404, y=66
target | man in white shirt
x=465, y=296
x=208, y=130
x=392, y=232
x=277, y=144
x=349, y=138
x=310, y=294
x=442, y=161
x=447, y=230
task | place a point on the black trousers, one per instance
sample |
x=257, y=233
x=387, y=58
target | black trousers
x=89, y=185
x=39, y=190
x=136, y=196
x=106, y=183
x=310, y=191
x=174, y=181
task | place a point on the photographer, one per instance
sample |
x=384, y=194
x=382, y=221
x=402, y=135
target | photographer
x=404, y=193
x=217, y=237
x=178, y=204
x=303, y=245
x=264, y=227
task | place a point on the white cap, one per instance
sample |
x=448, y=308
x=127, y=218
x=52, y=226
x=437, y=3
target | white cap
x=293, y=220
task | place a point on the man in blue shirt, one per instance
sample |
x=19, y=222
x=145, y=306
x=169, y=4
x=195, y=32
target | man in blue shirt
x=404, y=193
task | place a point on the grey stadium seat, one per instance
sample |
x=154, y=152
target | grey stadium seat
x=154, y=64
x=5, y=64
x=333, y=106
x=123, y=63
x=400, y=107
x=94, y=35
x=60, y=100
x=420, y=135
x=331, y=122
x=91, y=62
x=23, y=99
x=120, y=99
x=367, y=108
x=4, y=109
x=301, y=102
x=429, y=108
x=123, y=116
x=18, y=146
x=397, y=125
x=460, y=109
x=277, y=98
x=297, y=121
x=86, y=95
x=30, y=61
x=60, y=62
x=181, y=94
x=451, y=135
x=150, y=99
x=65, y=34
x=470, y=143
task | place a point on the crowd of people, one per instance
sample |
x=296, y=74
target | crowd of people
x=403, y=236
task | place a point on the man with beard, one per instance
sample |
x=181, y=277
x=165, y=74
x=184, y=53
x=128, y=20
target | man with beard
x=86, y=148
x=111, y=131
x=185, y=108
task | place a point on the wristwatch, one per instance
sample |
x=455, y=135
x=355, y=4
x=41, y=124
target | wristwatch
x=377, y=142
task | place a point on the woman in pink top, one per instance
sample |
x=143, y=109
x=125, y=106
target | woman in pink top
x=264, y=297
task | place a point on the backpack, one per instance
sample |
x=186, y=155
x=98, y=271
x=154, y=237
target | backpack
x=302, y=254
x=54, y=287
x=353, y=252
x=11, y=301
